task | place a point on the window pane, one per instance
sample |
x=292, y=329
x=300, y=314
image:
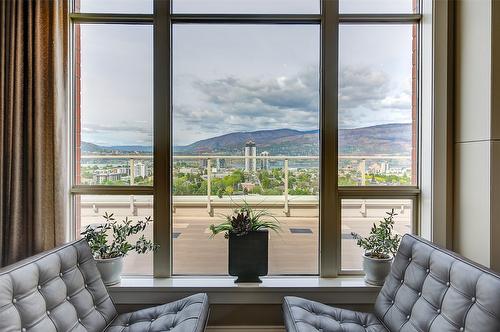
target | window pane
x=114, y=104
x=246, y=6
x=378, y=6
x=244, y=113
x=358, y=216
x=377, y=105
x=114, y=6
x=90, y=211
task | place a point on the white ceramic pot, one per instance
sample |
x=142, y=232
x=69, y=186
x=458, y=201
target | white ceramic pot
x=110, y=269
x=376, y=269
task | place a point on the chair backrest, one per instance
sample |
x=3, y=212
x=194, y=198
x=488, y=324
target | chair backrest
x=58, y=290
x=436, y=290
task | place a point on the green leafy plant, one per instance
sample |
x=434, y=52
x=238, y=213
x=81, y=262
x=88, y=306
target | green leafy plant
x=246, y=219
x=380, y=243
x=102, y=248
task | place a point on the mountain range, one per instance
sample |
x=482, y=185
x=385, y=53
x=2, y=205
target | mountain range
x=92, y=148
x=393, y=138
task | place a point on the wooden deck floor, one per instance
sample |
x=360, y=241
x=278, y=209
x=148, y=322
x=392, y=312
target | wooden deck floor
x=292, y=251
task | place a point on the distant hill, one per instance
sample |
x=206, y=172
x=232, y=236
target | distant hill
x=380, y=139
x=90, y=148
x=133, y=148
x=237, y=140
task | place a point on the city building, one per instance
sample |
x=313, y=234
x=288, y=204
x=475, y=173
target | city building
x=264, y=163
x=140, y=169
x=220, y=163
x=250, y=157
x=101, y=176
x=203, y=163
x=384, y=167
x=247, y=186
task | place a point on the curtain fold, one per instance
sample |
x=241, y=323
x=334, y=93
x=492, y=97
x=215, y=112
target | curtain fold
x=33, y=127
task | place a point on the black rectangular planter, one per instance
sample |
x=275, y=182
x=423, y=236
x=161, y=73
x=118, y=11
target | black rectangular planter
x=248, y=256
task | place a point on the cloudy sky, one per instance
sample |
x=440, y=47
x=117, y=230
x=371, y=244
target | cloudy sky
x=230, y=78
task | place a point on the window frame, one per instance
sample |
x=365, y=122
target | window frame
x=331, y=194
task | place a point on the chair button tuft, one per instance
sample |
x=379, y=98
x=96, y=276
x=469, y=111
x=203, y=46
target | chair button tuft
x=401, y=281
x=48, y=312
x=79, y=320
x=23, y=329
x=39, y=287
x=473, y=299
x=409, y=259
x=408, y=317
x=152, y=319
x=427, y=270
x=14, y=301
x=419, y=294
x=448, y=284
x=60, y=274
x=461, y=329
x=67, y=298
x=438, y=311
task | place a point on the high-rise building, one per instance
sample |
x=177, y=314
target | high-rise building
x=250, y=157
x=140, y=170
x=264, y=163
x=384, y=167
x=203, y=163
x=220, y=163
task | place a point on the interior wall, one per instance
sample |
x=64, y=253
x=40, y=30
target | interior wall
x=477, y=131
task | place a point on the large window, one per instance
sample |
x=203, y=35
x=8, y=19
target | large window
x=183, y=110
x=114, y=118
x=90, y=211
x=377, y=110
x=378, y=6
x=246, y=6
x=245, y=129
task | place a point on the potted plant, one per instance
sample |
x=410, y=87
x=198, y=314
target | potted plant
x=109, y=254
x=247, y=231
x=380, y=247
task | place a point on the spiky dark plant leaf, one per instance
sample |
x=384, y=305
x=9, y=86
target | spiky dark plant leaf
x=241, y=223
x=246, y=219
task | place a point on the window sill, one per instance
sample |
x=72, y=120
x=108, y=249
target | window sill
x=223, y=290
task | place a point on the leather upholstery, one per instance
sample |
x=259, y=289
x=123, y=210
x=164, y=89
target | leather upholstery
x=429, y=289
x=188, y=314
x=61, y=290
x=309, y=316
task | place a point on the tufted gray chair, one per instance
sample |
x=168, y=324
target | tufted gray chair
x=61, y=290
x=429, y=289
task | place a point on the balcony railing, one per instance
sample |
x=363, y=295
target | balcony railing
x=293, y=251
x=209, y=159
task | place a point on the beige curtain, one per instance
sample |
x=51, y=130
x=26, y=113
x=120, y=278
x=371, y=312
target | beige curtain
x=33, y=112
